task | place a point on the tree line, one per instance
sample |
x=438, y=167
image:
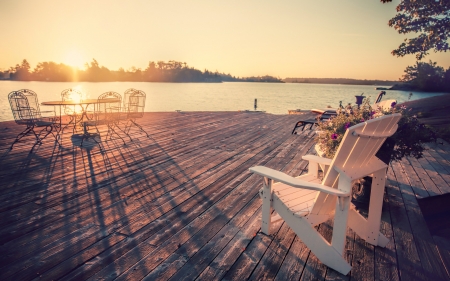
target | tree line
x=171, y=71
x=426, y=76
x=346, y=81
x=423, y=76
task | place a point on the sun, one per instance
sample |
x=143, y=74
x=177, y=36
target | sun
x=75, y=59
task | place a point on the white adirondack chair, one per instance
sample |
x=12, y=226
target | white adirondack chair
x=305, y=201
x=385, y=104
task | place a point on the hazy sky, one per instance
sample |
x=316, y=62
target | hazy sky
x=284, y=38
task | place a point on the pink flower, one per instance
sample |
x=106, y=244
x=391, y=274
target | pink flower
x=362, y=120
x=347, y=125
x=334, y=136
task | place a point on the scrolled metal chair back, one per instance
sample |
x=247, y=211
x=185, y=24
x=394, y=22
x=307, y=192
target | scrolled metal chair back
x=110, y=95
x=25, y=106
x=126, y=98
x=134, y=103
x=108, y=110
x=69, y=95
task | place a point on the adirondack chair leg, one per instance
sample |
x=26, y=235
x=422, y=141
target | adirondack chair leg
x=369, y=229
x=341, y=217
x=325, y=252
x=375, y=208
x=360, y=226
x=340, y=224
x=266, y=206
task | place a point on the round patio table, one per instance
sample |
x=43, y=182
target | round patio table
x=83, y=104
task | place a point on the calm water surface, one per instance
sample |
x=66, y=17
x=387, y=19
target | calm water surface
x=276, y=98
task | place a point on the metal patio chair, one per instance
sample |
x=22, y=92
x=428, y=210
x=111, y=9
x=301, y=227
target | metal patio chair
x=25, y=108
x=107, y=112
x=133, y=107
x=305, y=201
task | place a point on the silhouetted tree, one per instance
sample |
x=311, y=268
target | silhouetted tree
x=21, y=72
x=446, y=81
x=425, y=76
x=50, y=71
x=430, y=19
x=96, y=73
x=171, y=71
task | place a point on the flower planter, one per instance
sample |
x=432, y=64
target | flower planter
x=359, y=100
x=361, y=189
x=386, y=150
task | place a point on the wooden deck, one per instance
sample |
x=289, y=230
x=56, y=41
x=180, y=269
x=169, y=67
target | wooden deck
x=182, y=205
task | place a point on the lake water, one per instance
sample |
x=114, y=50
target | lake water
x=276, y=98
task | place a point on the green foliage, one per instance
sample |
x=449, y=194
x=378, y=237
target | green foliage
x=429, y=19
x=424, y=114
x=409, y=137
x=427, y=77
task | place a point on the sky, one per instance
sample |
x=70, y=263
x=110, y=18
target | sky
x=284, y=38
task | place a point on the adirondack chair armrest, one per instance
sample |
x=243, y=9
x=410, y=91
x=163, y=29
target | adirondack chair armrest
x=317, y=159
x=294, y=182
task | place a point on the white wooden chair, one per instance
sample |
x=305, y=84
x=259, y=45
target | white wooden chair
x=384, y=105
x=305, y=201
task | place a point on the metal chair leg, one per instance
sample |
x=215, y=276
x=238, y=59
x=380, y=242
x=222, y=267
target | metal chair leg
x=110, y=129
x=139, y=126
x=117, y=125
x=20, y=136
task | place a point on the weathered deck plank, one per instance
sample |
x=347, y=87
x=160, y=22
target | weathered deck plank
x=181, y=205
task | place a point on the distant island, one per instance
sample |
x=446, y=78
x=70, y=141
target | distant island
x=427, y=77
x=423, y=76
x=346, y=81
x=171, y=71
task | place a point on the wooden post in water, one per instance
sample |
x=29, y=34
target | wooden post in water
x=256, y=104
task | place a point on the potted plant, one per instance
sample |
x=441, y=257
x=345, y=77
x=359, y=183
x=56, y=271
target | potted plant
x=408, y=140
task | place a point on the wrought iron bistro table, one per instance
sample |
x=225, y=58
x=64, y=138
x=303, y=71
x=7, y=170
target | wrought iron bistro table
x=83, y=104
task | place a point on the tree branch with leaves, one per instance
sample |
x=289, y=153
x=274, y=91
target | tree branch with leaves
x=429, y=19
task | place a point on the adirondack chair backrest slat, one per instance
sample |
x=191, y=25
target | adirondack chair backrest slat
x=365, y=148
x=356, y=152
x=373, y=144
